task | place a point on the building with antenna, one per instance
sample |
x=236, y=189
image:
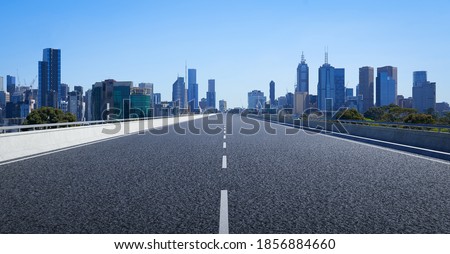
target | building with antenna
x=331, y=87
x=302, y=76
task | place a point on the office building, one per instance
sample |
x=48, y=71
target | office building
x=50, y=78
x=423, y=92
x=111, y=99
x=272, y=94
x=386, y=86
x=88, y=105
x=64, y=92
x=289, y=100
x=222, y=106
x=282, y=102
x=331, y=87
x=211, y=94
x=156, y=98
x=256, y=100
x=192, y=90
x=300, y=103
x=141, y=102
x=366, y=87
x=10, y=84
x=178, y=93
x=442, y=107
x=1, y=85
x=302, y=76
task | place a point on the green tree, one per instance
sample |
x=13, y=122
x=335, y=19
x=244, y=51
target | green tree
x=420, y=118
x=374, y=113
x=47, y=115
x=351, y=114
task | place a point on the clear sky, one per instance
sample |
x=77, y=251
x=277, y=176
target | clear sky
x=242, y=44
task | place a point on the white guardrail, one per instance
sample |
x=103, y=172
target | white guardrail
x=26, y=140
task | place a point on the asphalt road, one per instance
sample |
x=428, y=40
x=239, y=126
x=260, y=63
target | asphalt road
x=172, y=183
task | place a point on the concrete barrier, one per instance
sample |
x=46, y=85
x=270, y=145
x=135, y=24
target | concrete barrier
x=417, y=138
x=22, y=144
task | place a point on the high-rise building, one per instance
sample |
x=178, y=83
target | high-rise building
x=10, y=84
x=1, y=85
x=365, y=87
x=141, y=102
x=272, y=94
x=222, y=106
x=424, y=92
x=211, y=94
x=256, y=100
x=348, y=93
x=79, y=102
x=386, y=86
x=110, y=99
x=282, y=102
x=331, y=87
x=148, y=90
x=50, y=78
x=300, y=102
x=64, y=92
x=302, y=76
x=72, y=104
x=192, y=89
x=289, y=100
x=88, y=105
x=178, y=93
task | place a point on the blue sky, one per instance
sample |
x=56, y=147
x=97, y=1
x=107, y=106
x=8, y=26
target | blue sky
x=242, y=44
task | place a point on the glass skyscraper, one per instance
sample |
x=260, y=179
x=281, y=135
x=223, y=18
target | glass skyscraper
x=272, y=94
x=10, y=84
x=331, y=87
x=178, y=93
x=50, y=78
x=386, y=88
x=424, y=92
x=211, y=94
x=192, y=89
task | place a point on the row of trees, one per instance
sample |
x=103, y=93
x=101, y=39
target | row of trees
x=394, y=113
x=47, y=115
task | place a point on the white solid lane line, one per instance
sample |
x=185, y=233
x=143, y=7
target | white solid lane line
x=224, y=161
x=224, y=145
x=223, y=217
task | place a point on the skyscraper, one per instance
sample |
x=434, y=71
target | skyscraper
x=88, y=105
x=1, y=84
x=331, y=87
x=192, y=89
x=178, y=93
x=365, y=88
x=386, y=87
x=302, y=76
x=424, y=92
x=64, y=91
x=50, y=78
x=10, y=84
x=211, y=94
x=272, y=94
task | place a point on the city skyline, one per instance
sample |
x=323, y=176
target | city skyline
x=245, y=52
